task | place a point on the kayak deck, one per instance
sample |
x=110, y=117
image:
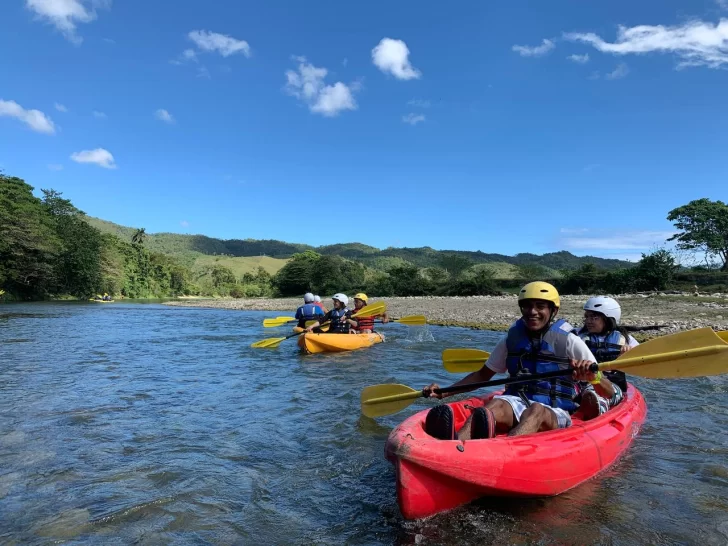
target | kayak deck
x=437, y=475
x=336, y=343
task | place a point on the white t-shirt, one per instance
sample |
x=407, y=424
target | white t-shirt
x=575, y=349
x=632, y=342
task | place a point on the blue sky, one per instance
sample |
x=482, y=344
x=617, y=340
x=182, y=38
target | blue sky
x=504, y=127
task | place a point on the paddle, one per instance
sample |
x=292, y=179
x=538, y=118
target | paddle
x=464, y=360
x=278, y=321
x=685, y=354
x=411, y=320
x=369, y=311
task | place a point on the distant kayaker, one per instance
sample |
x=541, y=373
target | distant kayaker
x=338, y=317
x=363, y=325
x=607, y=340
x=317, y=303
x=536, y=343
x=308, y=311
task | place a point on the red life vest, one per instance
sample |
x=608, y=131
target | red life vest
x=364, y=323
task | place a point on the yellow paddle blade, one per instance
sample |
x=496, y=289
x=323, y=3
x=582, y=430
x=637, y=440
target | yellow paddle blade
x=412, y=320
x=379, y=400
x=271, y=342
x=372, y=310
x=693, y=353
x=723, y=335
x=464, y=360
x=278, y=321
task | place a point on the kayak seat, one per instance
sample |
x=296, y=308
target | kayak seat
x=440, y=423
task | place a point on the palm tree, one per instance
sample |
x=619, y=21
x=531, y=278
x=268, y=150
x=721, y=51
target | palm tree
x=139, y=236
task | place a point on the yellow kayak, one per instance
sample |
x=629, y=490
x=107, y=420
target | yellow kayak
x=297, y=330
x=334, y=343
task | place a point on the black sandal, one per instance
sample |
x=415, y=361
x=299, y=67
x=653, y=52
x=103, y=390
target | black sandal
x=482, y=425
x=440, y=423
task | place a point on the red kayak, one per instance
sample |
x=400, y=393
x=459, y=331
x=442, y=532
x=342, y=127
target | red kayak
x=437, y=475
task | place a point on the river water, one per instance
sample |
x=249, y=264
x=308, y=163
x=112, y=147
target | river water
x=128, y=423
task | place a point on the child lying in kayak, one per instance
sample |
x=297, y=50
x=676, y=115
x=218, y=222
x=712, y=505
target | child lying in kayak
x=536, y=343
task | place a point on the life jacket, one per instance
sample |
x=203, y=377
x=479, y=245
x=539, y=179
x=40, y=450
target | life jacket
x=320, y=306
x=528, y=356
x=364, y=323
x=308, y=312
x=338, y=326
x=605, y=349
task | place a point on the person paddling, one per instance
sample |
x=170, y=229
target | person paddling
x=308, y=311
x=536, y=343
x=338, y=317
x=607, y=340
x=363, y=325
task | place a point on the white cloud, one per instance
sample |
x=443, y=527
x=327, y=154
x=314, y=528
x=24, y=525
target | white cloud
x=392, y=56
x=189, y=55
x=60, y=107
x=223, y=44
x=535, y=51
x=184, y=223
x=618, y=73
x=35, y=119
x=55, y=167
x=99, y=156
x=99, y=115
x=696, y=43
x=579, y=59
x=614, y=239
x=413, y=119
x=307, y=84
x=66, y=14
x=203, y=72
x=163, y=115
x=419, y=103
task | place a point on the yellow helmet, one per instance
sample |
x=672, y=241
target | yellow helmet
x=540, y=290
x=361, y=296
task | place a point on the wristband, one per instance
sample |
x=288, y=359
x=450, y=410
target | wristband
x=597, y=378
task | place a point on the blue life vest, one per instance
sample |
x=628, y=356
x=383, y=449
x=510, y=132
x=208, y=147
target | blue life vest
x=338, y=326
x=604, y=348
x=307, y=312
x=529, y=356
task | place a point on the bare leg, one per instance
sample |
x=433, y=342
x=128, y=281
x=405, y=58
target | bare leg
x=504, y=418
x=536, y=418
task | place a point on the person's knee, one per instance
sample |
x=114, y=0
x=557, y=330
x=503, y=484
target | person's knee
x=543, y=416
x=502, y=412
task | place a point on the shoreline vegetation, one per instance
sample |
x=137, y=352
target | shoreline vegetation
x=673, y=312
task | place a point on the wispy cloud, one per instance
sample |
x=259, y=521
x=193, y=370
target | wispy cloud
x=392, y=56
x=55, y=167
x=695, y=43
x=413, y=119
x=419, y=103
x=164, y=115
x=534, y=51
x=60, y=107
x=99, y=156
x=618, y=73
x=35, y=119
x=99, y=115
x=66, y=14
x=588, y=239
x=572, y=231
x=579, y=59
x=221, y=43
x=184, y=223
x=307, y=85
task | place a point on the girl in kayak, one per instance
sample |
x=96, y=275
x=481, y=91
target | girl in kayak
x=338, y=317
x=607, y=340
x=363, y=325
x=536, y=343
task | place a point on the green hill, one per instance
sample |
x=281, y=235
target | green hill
x=245, y=255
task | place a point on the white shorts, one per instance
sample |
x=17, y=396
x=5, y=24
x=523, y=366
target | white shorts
x=519, y=406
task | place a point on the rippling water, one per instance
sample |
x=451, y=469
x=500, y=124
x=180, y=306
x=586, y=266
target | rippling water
x=147, y=424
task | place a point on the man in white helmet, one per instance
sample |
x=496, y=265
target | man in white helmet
x=607, y=340
x=338, y=317
x=308, y=311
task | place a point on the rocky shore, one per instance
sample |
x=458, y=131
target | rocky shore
x=673, y=311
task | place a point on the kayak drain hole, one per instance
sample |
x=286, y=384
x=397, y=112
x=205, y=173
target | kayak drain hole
x=461, y=448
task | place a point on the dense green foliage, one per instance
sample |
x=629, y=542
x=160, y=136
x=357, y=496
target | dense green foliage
x=704, y=225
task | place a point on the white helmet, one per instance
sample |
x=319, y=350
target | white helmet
x=343, y=298
x=308, y=297
x=606, y=306
x=317, y=299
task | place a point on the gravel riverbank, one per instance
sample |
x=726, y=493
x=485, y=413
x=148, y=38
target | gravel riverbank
x=675, y=312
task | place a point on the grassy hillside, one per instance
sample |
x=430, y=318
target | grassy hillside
x=244, y=255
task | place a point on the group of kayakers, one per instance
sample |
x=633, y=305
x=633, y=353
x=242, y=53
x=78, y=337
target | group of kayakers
x=312, y=314
x=538, y=343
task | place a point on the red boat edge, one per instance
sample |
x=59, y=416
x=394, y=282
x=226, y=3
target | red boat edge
x=438, y=475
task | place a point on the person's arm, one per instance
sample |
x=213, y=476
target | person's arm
x=325, y=318
x=496, y=363
x=581, y=359
x=385, y=318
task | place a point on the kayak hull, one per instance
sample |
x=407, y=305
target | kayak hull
x=336, y=343
x=435, y=475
